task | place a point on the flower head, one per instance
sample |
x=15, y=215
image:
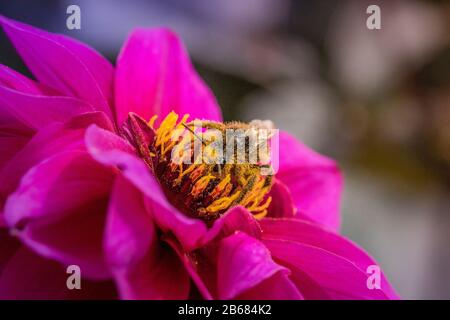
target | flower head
x=99, y=168
x=192, y=169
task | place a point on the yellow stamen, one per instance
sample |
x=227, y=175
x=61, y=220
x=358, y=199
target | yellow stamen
x=152, y=120
x=222, y=203
x=235, y=183
x=221, y=186
x=201, y=184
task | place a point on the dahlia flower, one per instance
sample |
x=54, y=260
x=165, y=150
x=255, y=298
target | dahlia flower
x=85, y=180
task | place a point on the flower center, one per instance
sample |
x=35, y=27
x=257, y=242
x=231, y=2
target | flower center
x=206, y=167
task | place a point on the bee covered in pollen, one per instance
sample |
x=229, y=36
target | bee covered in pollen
x=207, y=167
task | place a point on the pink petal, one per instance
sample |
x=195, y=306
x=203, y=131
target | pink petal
x=199, y=268
x=13, y=133
x=53, y=139
x=16, y=81
x=311, y=234
x=314, y=181
x=142, y=268
x=201, y=264
x=8, y=247
x=155, y=76
x=10, y=144
x=63, y=63
x=243, y=263
x=129, y=229
x=101, y=143
x=37, y=111
x=277, y=287
x=111, y=150
x=282, y=205
x=28, y=276
x=158, y=276
x=59, y=210
x=339, y=277
x=236, y=219
x=86, y=119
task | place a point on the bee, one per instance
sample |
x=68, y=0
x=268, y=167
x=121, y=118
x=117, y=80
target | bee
x=245, y=143
x=226, y=172
x=245, y=151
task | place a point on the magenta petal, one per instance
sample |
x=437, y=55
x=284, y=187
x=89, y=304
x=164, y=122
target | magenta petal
x=53, y=139
x=11, y=143
x=338, y=276
x=243, y=262
x=86, y=119
x=63, y=63
x=315, y=182
x=236, y=219
x=111, y=150
x=141, y=267
x=13, y=133
x=37, y=111
x=311, y=234
x=16, y=81
x=28, y=276
x=8, y=247
x=155, y=76
x=158, y=276
x=102, y=143
x=282, y=205
x=277, y=287
x=59, y=210
x=129, y=229
x=202, y=274
x=201, y=264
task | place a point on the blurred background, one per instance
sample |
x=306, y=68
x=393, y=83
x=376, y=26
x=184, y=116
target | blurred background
x=378, y=101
